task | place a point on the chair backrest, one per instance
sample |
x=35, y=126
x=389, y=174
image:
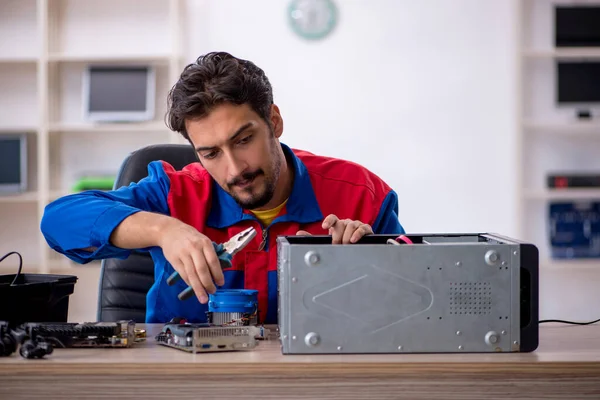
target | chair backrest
x=124, y=283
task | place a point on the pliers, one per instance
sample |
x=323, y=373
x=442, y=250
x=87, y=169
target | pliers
x=225, y=252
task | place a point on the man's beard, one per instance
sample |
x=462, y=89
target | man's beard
x=260, y=199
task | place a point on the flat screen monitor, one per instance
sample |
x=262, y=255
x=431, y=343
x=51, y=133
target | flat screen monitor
x=578, y=83
x=118, y=93
x=13, y=163
x=577, y=25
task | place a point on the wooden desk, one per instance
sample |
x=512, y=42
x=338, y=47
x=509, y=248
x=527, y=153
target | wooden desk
x=565, y=366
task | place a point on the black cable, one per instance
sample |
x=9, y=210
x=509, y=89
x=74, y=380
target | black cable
x=20, y=265
x=562, y=321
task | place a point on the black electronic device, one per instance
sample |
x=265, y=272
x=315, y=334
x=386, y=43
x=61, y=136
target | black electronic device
x=567, y=180
x=584, y=114
x=577, y=25
x=8, y=344
x=119, y=93
x=13, y=163
x=36, y=340
x=578, y=84
x=574, y=229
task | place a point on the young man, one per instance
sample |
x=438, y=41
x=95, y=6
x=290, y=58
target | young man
x=245, y=177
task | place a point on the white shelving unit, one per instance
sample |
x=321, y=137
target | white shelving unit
x=44, y=47
x=552, y=138
x=562, y=53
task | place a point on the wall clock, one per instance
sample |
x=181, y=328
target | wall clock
x=312, y=19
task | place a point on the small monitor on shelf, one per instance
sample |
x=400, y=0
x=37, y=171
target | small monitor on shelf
x=118, y=93
x=577, y=25
x=13, y=163
x=578, y=86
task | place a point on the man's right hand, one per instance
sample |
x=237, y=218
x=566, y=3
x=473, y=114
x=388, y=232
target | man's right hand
x=192, y=255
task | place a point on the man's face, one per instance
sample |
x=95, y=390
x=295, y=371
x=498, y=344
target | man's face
x=240, y=151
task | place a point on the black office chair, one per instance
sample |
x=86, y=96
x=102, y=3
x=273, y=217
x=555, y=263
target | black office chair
x=124, y=283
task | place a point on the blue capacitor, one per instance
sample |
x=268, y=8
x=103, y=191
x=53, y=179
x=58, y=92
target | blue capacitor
x=233, y=301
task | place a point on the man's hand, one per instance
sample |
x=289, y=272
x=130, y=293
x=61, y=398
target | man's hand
x=343, y=231
x=192, y=255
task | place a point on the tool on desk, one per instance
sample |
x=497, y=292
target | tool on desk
x=225, y=252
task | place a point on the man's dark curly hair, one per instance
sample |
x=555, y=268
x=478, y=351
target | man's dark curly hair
x=216, y=78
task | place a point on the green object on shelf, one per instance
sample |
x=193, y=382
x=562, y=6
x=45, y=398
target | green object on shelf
x=94, y=183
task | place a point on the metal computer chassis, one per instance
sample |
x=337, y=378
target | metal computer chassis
x=205, y=338
x=444, y=293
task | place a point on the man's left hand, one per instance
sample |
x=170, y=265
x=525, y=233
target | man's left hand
x=343, y=231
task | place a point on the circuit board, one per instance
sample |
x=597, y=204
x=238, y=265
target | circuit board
x=87, y=334
x=203, y=337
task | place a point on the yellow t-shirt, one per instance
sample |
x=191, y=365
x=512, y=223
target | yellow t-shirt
x=267, y=216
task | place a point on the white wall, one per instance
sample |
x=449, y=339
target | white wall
x=425, y=93
x=421, y=92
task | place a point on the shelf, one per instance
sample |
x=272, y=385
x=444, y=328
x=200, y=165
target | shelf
x=18, y=100
x=17, y=129
x=156, y=59
x=580, y=128
x=19, y=32
x=575, y=264
x=152, y=126
x=55, y=194
x=563, y=194
x=18, y=197
x=18, y=60
x=104, y=31
x=45, y=47
x=564, y=53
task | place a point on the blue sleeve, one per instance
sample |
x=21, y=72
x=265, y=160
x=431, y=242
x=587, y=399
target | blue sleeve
x=87, y=219
x=387, y=220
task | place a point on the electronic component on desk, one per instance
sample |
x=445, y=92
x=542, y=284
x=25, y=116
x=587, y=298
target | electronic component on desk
x=414, y=293
x=87, y=334
x=233, y=307
x=36, y=340
x=8, y=344
x=232, y=325
x=28, y=346
x=203, y=337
